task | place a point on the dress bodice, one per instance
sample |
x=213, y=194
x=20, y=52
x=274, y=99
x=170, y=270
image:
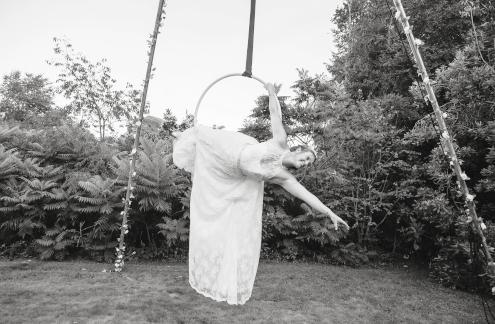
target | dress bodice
x=228, y=154
x=261, y=161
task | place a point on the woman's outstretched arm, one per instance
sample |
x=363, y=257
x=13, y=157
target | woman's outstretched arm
x=289, y=183
x=279, y=134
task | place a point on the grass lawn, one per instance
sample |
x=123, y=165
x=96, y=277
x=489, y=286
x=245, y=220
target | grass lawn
x=79, y=292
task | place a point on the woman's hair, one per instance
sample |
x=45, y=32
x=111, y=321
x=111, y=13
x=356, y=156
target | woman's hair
x=303, y=148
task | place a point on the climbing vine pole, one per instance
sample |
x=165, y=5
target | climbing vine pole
x=445, y=138
x=119, y=262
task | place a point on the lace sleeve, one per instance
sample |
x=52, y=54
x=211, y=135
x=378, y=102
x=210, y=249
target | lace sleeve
x=271, y=162
x=184, y=152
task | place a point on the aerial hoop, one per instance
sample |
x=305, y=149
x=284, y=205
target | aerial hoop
x=219, y=79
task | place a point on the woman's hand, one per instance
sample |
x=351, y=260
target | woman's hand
x=270, y=88
x=336, y=220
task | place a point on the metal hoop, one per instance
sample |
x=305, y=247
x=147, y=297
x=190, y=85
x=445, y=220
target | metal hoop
x=213, y=83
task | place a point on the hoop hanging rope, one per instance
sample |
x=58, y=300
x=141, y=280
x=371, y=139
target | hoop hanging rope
x=249, y=57
x=249, y=64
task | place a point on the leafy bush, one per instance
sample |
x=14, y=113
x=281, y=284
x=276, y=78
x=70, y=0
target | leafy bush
x=55, y=241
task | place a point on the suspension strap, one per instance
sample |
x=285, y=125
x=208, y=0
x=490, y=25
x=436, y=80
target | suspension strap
x=249, y=59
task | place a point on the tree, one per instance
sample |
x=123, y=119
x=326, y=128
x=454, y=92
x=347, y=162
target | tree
x=24, y=96
x=90, y=88
x=370, y=56
x=170, y=124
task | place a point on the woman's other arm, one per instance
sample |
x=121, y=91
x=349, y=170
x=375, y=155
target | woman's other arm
x=289, y=183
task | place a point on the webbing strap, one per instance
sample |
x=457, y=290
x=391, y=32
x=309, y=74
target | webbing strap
x=249, y=59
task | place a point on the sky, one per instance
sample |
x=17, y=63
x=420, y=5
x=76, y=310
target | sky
x=200, y=41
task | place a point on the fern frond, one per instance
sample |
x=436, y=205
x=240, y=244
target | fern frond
x=54, y=206
x=47, y=254
x=60, y=255
x=106, y=209
x=52, y=231
x=37, y=146
x=5, y=130
x=89, y=200
x=58, y=194
x=35, y=153
x=108, y=255
x=66, y=156
x=89, y=209
x=98, y=247
x=61, y=235
x=10, y=209
x=45, y=242
x=89, y=187
x=63, y=244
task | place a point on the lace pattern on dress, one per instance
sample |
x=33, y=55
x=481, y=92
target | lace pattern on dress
x=261, y=161
x=239, y=159
x=271, y=162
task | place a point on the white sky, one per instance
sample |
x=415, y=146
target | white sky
x=201, y=40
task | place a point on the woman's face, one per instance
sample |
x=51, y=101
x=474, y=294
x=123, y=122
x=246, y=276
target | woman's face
x=303, y=159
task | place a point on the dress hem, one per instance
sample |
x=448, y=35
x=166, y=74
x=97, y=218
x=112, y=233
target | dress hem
x=217, y=299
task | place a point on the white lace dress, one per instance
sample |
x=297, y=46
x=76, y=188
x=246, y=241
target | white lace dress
x=226, y=205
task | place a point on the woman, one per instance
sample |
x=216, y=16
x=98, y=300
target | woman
x=228, y=171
